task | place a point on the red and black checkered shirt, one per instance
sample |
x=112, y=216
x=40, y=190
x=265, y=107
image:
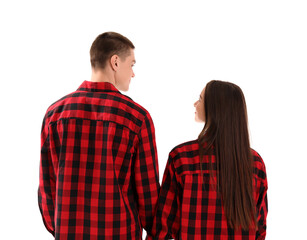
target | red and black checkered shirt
x=188, y=210
x=99, y=168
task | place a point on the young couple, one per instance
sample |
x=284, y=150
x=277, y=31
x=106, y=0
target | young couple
x=99, y=169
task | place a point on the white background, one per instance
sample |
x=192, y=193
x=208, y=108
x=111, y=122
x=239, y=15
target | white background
x=180, y=46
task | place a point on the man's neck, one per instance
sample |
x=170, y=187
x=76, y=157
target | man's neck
x=102, y=76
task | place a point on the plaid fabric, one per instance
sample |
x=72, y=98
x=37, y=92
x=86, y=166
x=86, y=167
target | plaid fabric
x=188, y=210
x=98, y=169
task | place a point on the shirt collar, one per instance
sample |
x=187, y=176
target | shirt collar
x=89, y=86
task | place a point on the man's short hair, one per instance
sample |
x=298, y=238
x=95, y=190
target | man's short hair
x=106, y=45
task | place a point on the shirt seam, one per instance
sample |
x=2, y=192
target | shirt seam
x=96, y=120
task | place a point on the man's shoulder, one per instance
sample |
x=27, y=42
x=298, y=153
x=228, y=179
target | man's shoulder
x=57, y=103
x=111, y=102
x=134, y=105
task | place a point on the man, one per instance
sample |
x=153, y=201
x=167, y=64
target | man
x=99, y=168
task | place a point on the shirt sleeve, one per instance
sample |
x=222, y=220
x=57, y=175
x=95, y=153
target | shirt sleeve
x=167, y=220
x=46, y=189
x=146, y=174
x=262, y=208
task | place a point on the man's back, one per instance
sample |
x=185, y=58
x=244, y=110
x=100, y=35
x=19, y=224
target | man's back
x=99, y=170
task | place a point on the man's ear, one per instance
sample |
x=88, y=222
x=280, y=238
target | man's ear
x=114, y=62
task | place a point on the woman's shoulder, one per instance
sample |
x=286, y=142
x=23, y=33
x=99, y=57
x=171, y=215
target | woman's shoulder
x=257, y=157
x=259, y=165
x=185, y=147
x=184, y=157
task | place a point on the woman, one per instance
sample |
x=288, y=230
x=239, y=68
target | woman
x=214, y=187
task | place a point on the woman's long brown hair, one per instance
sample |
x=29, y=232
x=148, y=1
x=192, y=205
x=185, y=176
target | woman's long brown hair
x=226, y=131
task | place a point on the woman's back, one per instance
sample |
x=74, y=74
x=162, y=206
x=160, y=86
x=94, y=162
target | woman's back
x=192, y=208
x=214, y=187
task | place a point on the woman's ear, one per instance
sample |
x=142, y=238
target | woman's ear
x=114, y=62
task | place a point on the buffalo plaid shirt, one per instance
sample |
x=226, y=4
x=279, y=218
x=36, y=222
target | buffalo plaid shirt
x=98, y=169
x=188, y=210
